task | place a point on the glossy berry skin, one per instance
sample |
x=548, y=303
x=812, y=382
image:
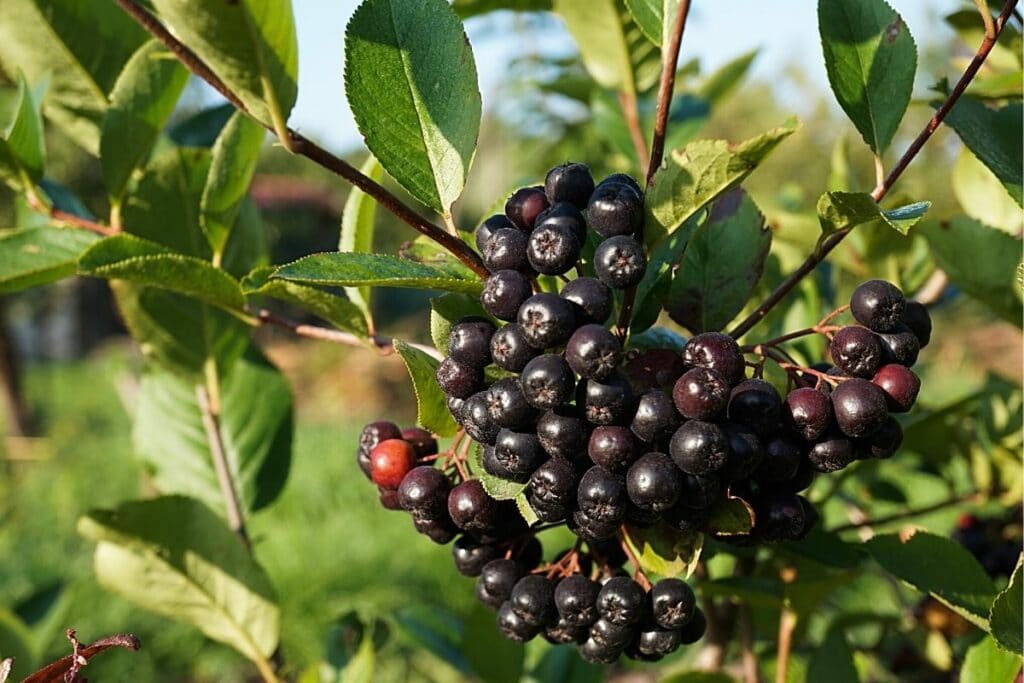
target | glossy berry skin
x=700, y=491
x=602, y=496
x=519, y=453
x=699, y=448
x=900, y=386
x=458, y=379
x=561, y=632
x=859, y=407
x=504, y=293
x=620, y=262
x=547, y=381
x=592, y=299
x=469, y=341
x=756, y=404
x=831, y=453
x=916, y=317
x=525, y=205
x=564, y=215
x=878, y=305
x=701, y=394
x=589, y=529
x=609, y=401
x=782, y=457
x=612, y=447
x=857, y=351
x=510, y=350
x=513, y=626
x=615, y=209
x=547, y=320
x=883, y=443
x=621, y=601
x=552, y=489
x=571, y=182
x=694, y=630
x=507, y=405
x=506, y=249
x=471, y=509
x=780, y=518
x=808, y=412
x=389, y=498
x=593, y=352
x=440, y=530
x=655, y=418
x=390, y=460
x=497, y=579
x=900, y=345
x=489, y=227
x=672, y=603
x=654, y=643
x=718, y=352
x=424, y=492
x=563, y=433
x=653, y=482
x=597, y=653
x=612, y=635
x=493, y=466
x=745, y=452
x=576, y=600
x=621, y=179
x=533, y=599
x=655, y=369
x=475, y=417
x=373, y=434
x=471, y=555
x=553, y=248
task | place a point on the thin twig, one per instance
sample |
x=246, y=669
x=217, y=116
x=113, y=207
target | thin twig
x=787, y=624
x=299, y=144
x=906, y=514
x=631, y=112
x=68, y=219
x=638, y=573
x=986, y=18
x=211, y=424
x=833, y=240
x=55, y=671
x=751, y=673
x=382, y=343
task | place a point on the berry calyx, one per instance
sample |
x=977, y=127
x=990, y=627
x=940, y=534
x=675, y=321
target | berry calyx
x=620, y=262
x=877, y=305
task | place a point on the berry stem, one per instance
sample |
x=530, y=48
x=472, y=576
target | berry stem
x=827, y=244
x=68, y=219
x=638, y=573
x=631, y=112
x=787, y=625
x=906, y=514
x=299, y=144
x=211, y=424
x=751, y=673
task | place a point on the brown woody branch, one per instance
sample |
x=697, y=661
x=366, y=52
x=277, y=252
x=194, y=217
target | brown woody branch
x=56, y=672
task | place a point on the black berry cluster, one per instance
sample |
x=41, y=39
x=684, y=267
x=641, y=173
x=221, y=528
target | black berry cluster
x=600, y=437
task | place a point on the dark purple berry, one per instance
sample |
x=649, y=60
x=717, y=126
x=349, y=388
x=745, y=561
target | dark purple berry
x=519, y=453
x=655, y=418
x=685, y=519
x=622, y=179
x=471, y=555
x=612, y=447
x=571, y=183
x=916, y=317
x=654, y=643
x=899, y=345
x=504, y=293
x=756, y=404
x=831, y=453
x=507, y=405
x=593, y=652
x=780, y=518
x=610, y=401
x=699, y=448
x=883, y=443
x=424, y=492
x=782, y=457
x=475, y=417
x=510, y=350
x=593, y=352
x=373, y=434
x=718, y=352
x=900, y=386
x=389, y=498
x=621, y=601
x=592, y=299
x=513, y=626
x=602, y=495
x=495, y=467
x=653, y=482
x=440, y=530
x=533, y=599
x=700, y=491
x=553, y=248
x=525, y=205
x=620, y=262
x=808, y=412
x=857, y=351
x=563, y=433
x=564, y=215
x=561, y=632
x=877, y=304
x=701, y=394
x=423, y=442
x=469, y=341
x=694, y=630
x=859, y=407
x=497, y=579
x=547, y=320
x=554, y=483
x=655, y=369
x=547, y=381
x=615, y=209
x=489, y=227
x=506, y=250
x=590, y=529
x=745, y=452
x=471, y=509
x=576, y=600
x=612, y=635
x=672, y=603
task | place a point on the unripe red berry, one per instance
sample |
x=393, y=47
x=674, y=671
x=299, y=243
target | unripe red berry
x=390, y=461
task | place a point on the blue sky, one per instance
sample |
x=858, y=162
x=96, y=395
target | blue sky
x=785, y=30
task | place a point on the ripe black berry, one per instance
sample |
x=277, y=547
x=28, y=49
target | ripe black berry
x=563, y=433
x=567, y=216
x=622, y=179
x=615, y=209
x=576, y=600
x=782, y=457
x=553, y=248
x=780, y=518
x=507, y=405
x=718, y=352
x=533, y=599
x=620, y=262
x=653, y=482
x=859, y=407
x=493, y=466
x=655, y=369
x=505, y=249
x=699, y=448
x=831, y=453
x=745, y=452
x=701, y=394
x=373, y=434
x=519, y=453
x=612, y=447
x=612, y=635
x=900, y=345
x=422, y=441
x=597, y=653
x=471, y=509
x=561, y=632
x=554, y=483
x=510, y=350
x=489, y=227
x=609, y=401
x=673, y=603
x=459, y=379
x=589, y=529
x=592, y=299
x=547, y=320
x=900, y=386
x=621, y=601
x=694, y=630
x=471, y=555
x=525, y=205
x=504, y=292
x=756, y=404
x=656, y=417
x=571, y=183
x=857, y=351
x=602, y=495
x=547, y=381
x=440, y=530
x=700, y=491
x=593, y=352
x=513, y=626
x=808, y=412
x=654, y=643
x=497, y=579
x=883, y=443
x=388, y=498
x=475, y=417
x=424, y=491
x=916, y=317
x=877, y=304
x=686, y=519
x=469, y=341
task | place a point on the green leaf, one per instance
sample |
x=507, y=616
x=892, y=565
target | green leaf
x=249, y=44
x=698, y=677
x=22, y=147
x=845, y=210
x=431, y=405
x=80, y=46
x=445, y=311
x=982, y=196
x=335, y=309
x=174, y=556
x=496, y=487
x=870, y=58
x=255, y=425
x=657, y=338
x=986, y=663
x=722, y=264
x=472, y=8
x=140, y=104
x=663, y=550
x=698, y=173
x=597, y=27
x=357, y=228
x=726, y=78
x=234, y=162
x=731, y=516
x=1007, y=615
x=360, y=668
x=38, y=256
x=357, y=270
x=995, y=137
x=980, y=260
x=202, y=128
x=832, y=660
x=826, y=548
x=938, y=566
x=650, y=293
x=412, y=84
x=125, y=257
x=528, y=513
x=16, y=641
x=491, y=656
x=654, y=17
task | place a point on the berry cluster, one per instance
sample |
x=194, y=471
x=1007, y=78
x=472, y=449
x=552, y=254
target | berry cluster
x=600, y=438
